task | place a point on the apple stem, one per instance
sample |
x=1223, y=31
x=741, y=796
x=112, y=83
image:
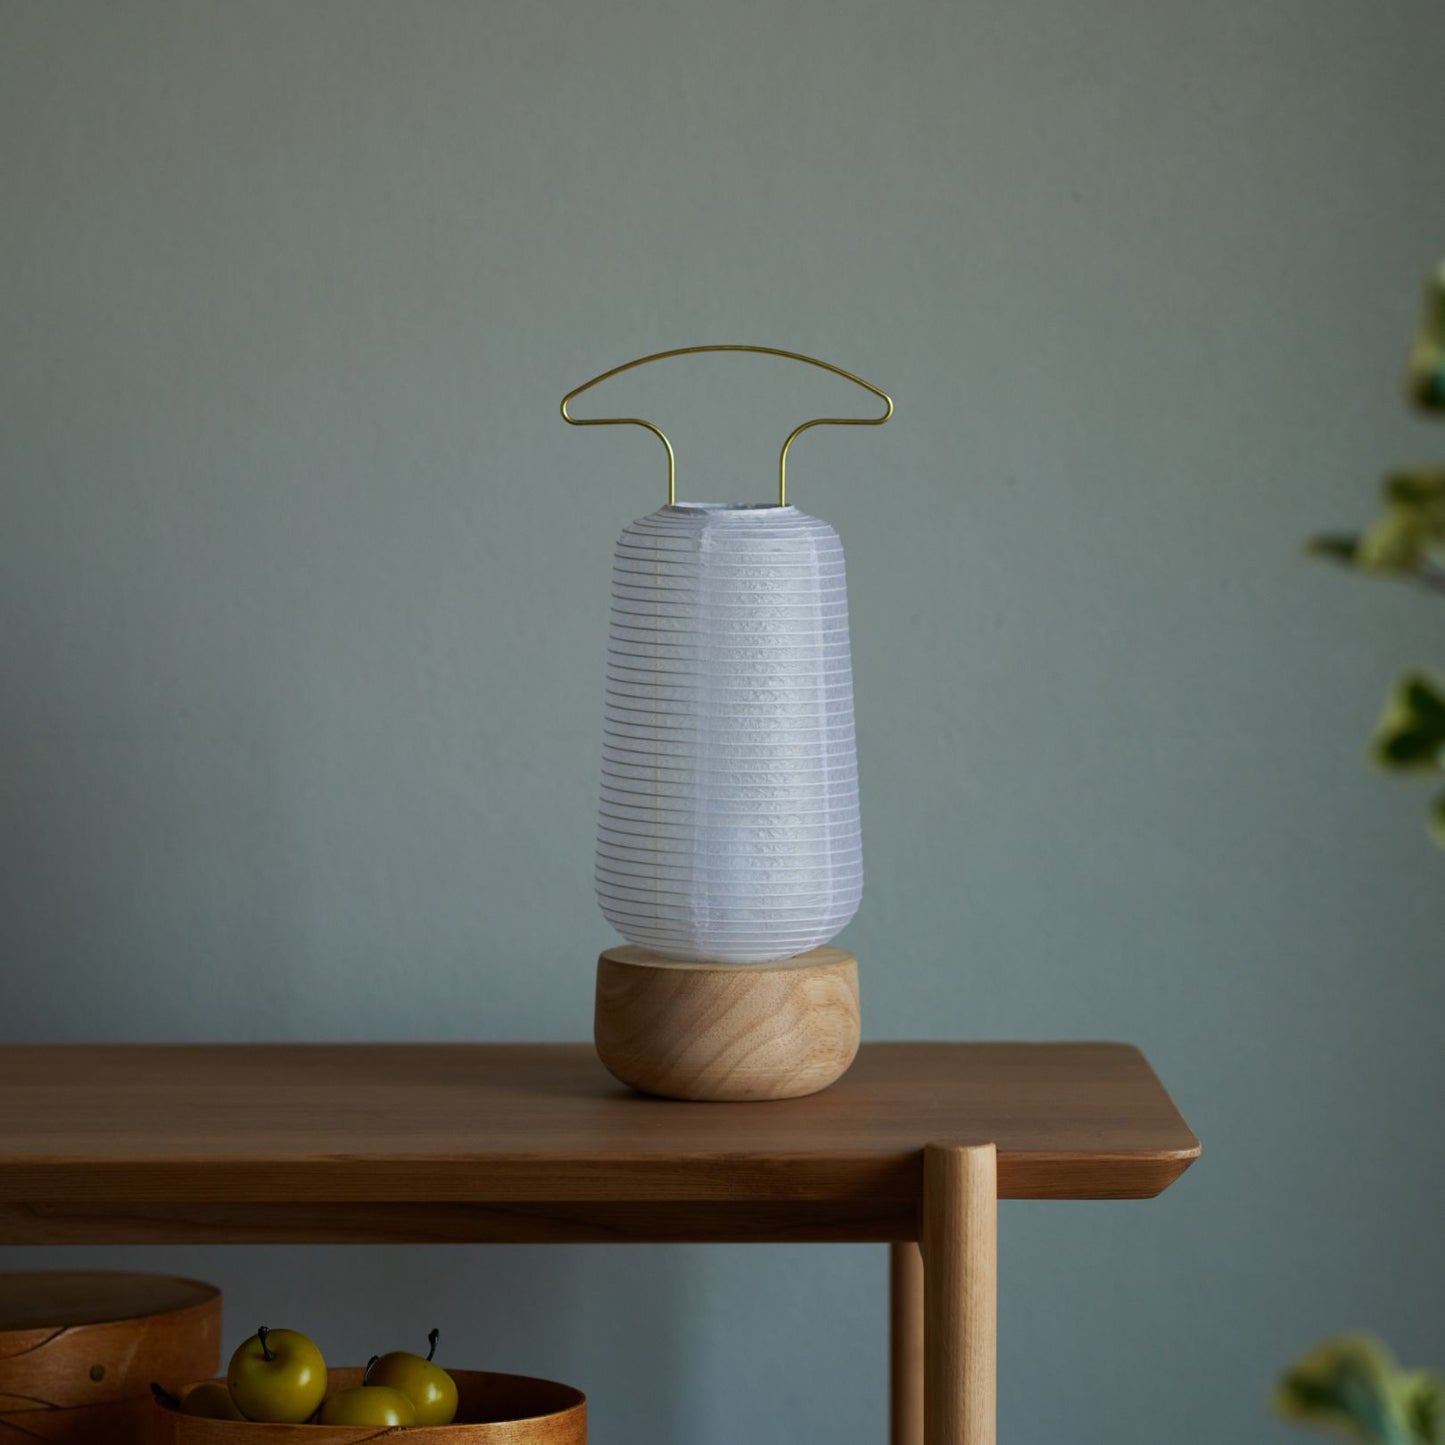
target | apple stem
x=164, y=1396
x=432, y=1339
x=367, y=1370
x=265, y=1348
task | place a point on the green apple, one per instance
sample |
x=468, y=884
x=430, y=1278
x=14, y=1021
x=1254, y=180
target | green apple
x=277, y=1376
x=424, y=1383
x=368, y=1405
x=211, y=1401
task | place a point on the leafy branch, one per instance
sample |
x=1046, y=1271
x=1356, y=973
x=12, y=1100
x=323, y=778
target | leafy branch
x=1407, y=540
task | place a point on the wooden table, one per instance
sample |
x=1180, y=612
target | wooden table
x=535, y=1143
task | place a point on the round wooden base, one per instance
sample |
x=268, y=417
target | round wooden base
x=727, y=1031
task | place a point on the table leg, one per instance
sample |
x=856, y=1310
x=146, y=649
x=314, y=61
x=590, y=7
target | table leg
x=960, y=1294
x=905, y=1344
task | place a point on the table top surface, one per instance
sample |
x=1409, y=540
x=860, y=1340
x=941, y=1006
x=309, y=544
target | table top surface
x=112, y=1126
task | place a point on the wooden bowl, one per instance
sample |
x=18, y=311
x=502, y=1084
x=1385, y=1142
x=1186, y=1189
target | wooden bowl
x=492, y=1410
x=78, y=1350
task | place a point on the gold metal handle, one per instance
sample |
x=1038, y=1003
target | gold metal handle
x=756, y=350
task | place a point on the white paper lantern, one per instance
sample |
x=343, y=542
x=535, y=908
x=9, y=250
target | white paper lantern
x=728, y=827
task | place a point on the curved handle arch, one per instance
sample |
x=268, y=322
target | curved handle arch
x=755, y=350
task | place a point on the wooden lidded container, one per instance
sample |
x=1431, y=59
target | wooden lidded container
x=78, y=1351
x=491, y=1410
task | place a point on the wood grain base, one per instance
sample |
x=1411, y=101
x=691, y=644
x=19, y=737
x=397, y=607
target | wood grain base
x=723, y=1031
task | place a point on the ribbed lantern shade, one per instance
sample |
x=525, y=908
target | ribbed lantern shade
x=728, y=827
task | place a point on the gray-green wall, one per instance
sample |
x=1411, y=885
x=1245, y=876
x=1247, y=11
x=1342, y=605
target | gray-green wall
x=302, y=591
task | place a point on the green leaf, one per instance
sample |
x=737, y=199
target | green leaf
x=1407, y=538
x=1437, y=819
x=1425, y=379
x=1336, y=546
x=1410, y=531
x=1396, y=541
x=1423, y=698
x=1347, y=1386
x=1423, y=1394
x=1419, y=488
x=1410, y=736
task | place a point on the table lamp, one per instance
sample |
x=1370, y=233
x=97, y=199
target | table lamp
x=728, y=845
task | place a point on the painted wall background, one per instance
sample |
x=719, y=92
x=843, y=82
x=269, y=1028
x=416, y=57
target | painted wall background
x=302, y=624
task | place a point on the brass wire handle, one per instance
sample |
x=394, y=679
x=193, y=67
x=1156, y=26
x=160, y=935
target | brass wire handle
x=756, y=350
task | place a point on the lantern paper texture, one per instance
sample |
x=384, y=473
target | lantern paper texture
x=729, y=827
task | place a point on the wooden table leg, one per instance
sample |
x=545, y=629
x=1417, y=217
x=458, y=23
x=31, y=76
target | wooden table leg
x=905, y=1344
x=960, y=1294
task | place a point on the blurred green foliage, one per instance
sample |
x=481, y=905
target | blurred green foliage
x=1351, y=1387
x=1407, y=540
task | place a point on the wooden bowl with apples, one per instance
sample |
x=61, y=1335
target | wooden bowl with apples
x=279, y=1391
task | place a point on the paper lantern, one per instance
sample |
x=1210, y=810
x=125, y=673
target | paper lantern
x=728, y=842
x=728, y=828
